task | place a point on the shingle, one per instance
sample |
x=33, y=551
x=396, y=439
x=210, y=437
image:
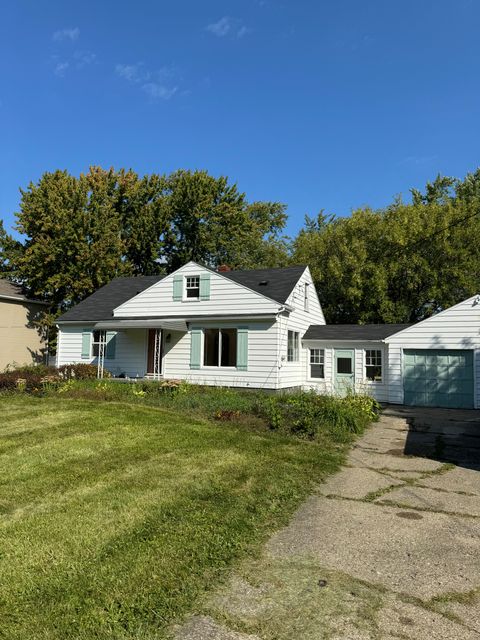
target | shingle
x=352, y=331
x=100, y=305
x=276, y=284
x=8, y=288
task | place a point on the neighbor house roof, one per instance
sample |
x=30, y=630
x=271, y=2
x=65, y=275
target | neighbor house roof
x=11, y=291
x=276, y=284
x=100, y=305
x=352, y=332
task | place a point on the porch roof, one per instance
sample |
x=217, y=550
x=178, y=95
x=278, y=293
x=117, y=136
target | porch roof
x=171, y=324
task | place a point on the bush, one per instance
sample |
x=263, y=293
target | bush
x=25, y=380
x=80, y=371
x=308, y=414
x=31, y=369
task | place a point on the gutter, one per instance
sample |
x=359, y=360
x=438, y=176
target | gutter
x=20, y=299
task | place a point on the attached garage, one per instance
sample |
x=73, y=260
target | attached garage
x=438, y=378
x=436, y=362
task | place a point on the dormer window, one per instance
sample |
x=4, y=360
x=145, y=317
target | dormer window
x=192, y=287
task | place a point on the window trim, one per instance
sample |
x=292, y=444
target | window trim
x=382, y=364
x=295, y=348
x=186, y=288
x=101, y=341
x=214, y=367
x=321, y=363
x=306, y=297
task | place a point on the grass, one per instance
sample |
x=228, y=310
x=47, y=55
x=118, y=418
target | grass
x=116, y=516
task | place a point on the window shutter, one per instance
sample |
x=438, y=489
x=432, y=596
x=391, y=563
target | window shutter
x=86, y=339
x=111, y=343
x=177, y=287
x=242, y=348
x=195, y=348
x=204, y=286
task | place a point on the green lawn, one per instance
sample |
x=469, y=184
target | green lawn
x=116, y=517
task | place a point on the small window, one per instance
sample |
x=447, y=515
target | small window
x=192, y=287
x=306, y=296
x=344, y=365
x=292, y=346
x=373, y=365
x=317, y=363
x=99, y=340
x=220, y=348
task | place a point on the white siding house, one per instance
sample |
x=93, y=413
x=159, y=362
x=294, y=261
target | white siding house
x=214, y=328
x=265, y=329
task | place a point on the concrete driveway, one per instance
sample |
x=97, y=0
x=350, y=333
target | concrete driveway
x=387, y=548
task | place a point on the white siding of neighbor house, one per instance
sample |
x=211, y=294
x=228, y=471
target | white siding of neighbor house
x=455, y=328
x=226, y=298
x=292, y=374
x=378, y=390
x=130, y=350
x=262, y=369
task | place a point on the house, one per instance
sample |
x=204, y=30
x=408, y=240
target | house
x=265, y=329
x=21, y=340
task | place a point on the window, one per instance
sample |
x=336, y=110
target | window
x=99, y=338
x=220, y=348
x=292, y=346
x=373, y=365
x=192, y=287
x=344, y=365
x=305, y=294
x=317, y=363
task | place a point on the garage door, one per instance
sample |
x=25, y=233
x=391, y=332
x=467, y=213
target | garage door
x=438, y=378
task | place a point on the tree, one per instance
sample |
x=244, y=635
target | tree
x=79, y=233
x=211, y=222
x=401, y=263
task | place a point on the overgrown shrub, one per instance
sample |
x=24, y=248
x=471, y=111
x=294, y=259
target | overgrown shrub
x=31, y=369
x=309, y=414
x=81, y=371
x=23, y=380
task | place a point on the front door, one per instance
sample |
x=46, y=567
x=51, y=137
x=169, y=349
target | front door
x=344, y=371
x=154, y=352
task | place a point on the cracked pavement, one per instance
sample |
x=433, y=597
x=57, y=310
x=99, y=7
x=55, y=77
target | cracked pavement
x=389, y=547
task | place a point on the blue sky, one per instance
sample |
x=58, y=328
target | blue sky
x=320, y=105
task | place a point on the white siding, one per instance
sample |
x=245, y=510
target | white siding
x=378, y=390
x=227, y=298
x=455, y=328
x=292, y=374
x=130, y=352
x=262, y=369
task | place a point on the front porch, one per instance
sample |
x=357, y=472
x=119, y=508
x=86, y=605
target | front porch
x=133, y=349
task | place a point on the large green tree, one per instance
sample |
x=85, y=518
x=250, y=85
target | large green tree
x=77, y=233
x=401, y=263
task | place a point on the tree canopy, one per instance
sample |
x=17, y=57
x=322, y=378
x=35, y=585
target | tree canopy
x=400, y=263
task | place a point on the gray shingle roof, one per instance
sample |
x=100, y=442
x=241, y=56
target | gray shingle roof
x=276, y=284
x=352, y=332
x=12, y=290
x=100, y=305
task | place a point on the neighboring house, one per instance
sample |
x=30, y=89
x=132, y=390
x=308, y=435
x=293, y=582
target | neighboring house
x=22, y=342
x=265, y=329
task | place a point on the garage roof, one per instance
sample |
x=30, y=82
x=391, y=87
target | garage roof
x=352, y=332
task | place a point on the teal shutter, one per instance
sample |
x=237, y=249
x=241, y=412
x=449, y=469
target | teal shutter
x=111, y=343
x=195, y=348
x=177, y=288
x=86, y=339
x=242, y=348
x=204, y=286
